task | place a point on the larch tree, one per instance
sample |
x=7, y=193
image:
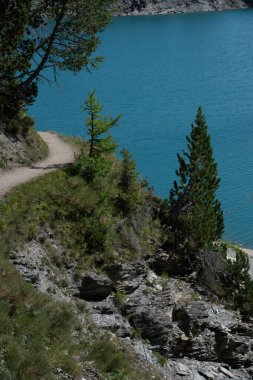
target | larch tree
x=100, y=139
x=195, y=217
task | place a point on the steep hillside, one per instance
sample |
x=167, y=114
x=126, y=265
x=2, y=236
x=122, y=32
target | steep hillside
x=88, y=292
x=147, y=7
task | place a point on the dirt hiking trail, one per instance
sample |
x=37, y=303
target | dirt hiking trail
x=60, y=154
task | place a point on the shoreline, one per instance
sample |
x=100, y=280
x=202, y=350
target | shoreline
x=249, y=251
x=245, y=249
x=180, y=7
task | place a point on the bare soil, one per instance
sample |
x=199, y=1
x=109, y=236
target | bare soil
x=60, y=154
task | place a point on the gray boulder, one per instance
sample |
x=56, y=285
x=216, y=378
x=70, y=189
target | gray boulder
x=127, y=276
x=199, y=315
x=113, y=323
x=149, y=313
x=213, y=334
x=106, y=316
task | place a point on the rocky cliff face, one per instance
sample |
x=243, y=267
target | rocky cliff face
x=168, y=322
x=151, y=7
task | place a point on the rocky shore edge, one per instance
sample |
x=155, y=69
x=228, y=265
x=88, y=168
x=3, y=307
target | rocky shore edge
x=155, y=7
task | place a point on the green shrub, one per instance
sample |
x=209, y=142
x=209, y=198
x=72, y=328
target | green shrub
x=120, y=297
x=241, y=285
x=107, y=356
x=162, y=360
x=121, y=375
x=227, y=279
x=91, y=167
x=131, y=197
x=116, y=362
x=20, y=124
x=97, y=235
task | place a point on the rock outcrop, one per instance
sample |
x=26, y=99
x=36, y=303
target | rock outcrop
x=213, y=341
x=106, y=316
x=95, y=287
x=150, y=7
x=127, y=276
x=192, y=337
x=214, y=334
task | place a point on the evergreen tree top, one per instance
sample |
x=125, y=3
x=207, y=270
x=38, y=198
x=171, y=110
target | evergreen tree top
x=195, y=214
x=198, y=164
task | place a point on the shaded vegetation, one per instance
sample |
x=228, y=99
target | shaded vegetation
x=36, y=35
x=21, y=145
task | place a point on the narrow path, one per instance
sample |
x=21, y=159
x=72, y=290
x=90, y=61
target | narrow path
x=60, y=154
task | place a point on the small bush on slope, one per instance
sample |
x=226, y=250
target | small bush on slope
x=241, y=284
x=91, y=167
x=116, y=362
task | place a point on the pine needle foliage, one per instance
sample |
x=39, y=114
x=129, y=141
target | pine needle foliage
x=100, y=140
x=36, y=36
x=131, y=196
x=241, y=285
x=195, y=214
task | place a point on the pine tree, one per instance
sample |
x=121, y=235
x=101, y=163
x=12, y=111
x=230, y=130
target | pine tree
x=195, y=218
x=129, y=173
x=38, y=35
x=15, y=56
x=131, y=196
x=100, y=140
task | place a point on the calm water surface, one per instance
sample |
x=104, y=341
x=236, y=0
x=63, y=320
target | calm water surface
x=158, y=70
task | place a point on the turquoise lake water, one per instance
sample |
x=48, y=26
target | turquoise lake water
x=158, y=70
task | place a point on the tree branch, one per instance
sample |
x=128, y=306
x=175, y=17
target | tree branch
x=44, y=59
